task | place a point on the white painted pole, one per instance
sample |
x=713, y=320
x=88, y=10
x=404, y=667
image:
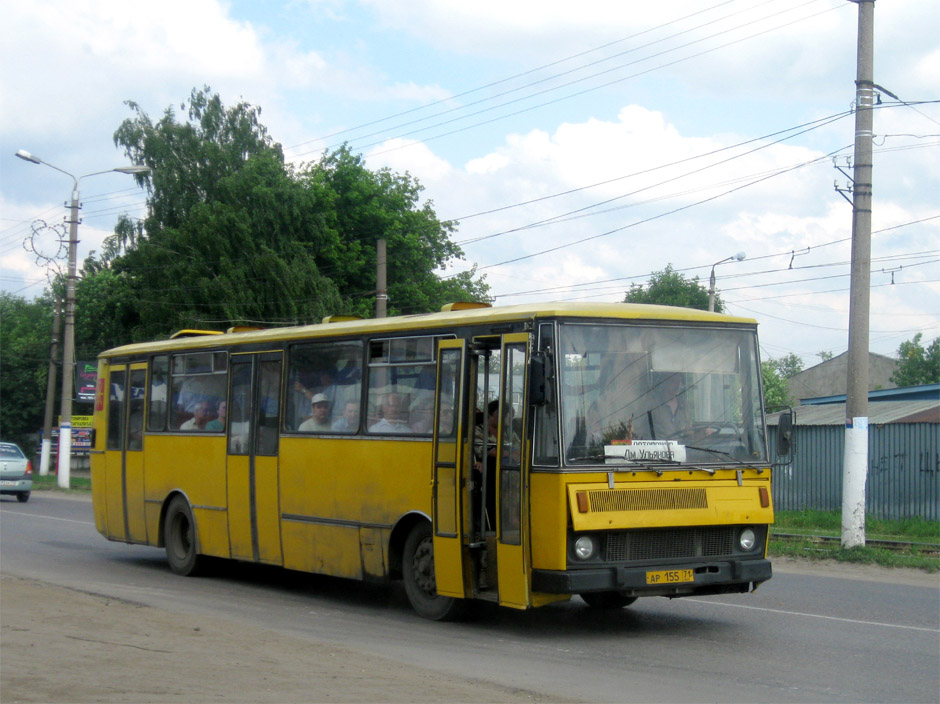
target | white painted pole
x=855, y=467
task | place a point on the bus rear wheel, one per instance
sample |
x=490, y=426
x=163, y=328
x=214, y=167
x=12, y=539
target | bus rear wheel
x=179, y=532
x=420, y=583
x=607, y=600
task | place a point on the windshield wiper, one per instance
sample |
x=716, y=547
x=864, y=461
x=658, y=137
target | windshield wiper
x=671, y=465
x=721, y=453
x=595, y=458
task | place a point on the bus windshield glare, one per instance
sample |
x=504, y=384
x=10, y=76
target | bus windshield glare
x=670, y=395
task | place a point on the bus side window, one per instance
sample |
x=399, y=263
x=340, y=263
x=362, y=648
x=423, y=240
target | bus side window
x=402, y=379
x=116, y=410
x=331, y=373
x=159, y=372
x=135, y=418
x=198, y=382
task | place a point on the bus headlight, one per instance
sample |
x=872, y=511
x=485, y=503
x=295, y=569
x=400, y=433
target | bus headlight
x=584, y=547
x=747, y=540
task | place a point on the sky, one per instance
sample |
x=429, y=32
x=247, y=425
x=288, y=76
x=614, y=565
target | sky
x=580, y=146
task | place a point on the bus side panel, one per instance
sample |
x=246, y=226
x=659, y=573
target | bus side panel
x=213, y=531
x=196, y=466
x=332, y=550
x=239, y=507
x=267, y=513
x=114, y=494
x=549, y=520
x=338, y=495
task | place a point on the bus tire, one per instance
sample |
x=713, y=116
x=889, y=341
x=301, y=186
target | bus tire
x=179, y=533
x=418, y=576
x=607, y=600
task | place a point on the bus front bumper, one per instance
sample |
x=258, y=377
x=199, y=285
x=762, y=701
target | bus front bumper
x=708, y=578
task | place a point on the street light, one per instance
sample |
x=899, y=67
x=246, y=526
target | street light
x=68, y=351
x=711, y=281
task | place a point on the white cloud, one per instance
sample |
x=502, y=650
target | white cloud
x=414, y=157
x=82, y=51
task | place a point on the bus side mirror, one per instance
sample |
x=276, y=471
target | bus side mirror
x=538, y=379
x=784, y=433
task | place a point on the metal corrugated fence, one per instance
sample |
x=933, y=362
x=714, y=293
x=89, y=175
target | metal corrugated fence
x=903, y=470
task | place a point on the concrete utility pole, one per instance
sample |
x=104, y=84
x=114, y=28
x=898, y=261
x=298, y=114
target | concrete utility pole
x=50, y=390
x=855, y=464
x=68, y=348
x=381, y=292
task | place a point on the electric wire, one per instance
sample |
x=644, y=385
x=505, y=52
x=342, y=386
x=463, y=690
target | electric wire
x=564, y=73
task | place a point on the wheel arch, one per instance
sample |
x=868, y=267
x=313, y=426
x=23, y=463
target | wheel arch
x=161, y=535
x=396, y=541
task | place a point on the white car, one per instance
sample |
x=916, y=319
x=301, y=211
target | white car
x=16, y=472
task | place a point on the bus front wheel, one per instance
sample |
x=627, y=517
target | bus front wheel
x=607, y=600
x=420, y=583
x=179, y=531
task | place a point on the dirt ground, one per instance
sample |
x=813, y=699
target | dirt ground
x=115, y=651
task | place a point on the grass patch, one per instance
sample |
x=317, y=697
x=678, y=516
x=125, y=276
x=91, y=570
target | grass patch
x=813, y=524
x=916, y=558
x=915, y=530
x=50, y=482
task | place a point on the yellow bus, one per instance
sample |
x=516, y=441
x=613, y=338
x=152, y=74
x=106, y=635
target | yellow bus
x=516, y=455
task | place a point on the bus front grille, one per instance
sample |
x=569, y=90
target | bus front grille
x=670, y=543
x=647, y=499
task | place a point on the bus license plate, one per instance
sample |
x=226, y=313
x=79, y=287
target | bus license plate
x=670, y=577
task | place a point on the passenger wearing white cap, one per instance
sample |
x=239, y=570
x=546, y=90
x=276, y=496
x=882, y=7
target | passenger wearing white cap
x=319, y=421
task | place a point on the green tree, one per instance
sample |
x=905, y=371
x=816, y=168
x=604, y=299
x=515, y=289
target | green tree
x=25, y=335
x=365, y=206
x=824, y=355
x=776, y=395
x=774, y=374
x=235, y=235
x=229, y=235
x=670, y=288
x=917, y=365
x=106, y=308
x=788, y=365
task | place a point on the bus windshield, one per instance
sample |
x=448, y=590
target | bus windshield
x=668, y=395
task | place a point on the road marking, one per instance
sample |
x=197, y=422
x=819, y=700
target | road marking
x=50, y=518
x=828, y=618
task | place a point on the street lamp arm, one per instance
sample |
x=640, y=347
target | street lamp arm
x=740, y=256
x=133, y=169
x=26, y=156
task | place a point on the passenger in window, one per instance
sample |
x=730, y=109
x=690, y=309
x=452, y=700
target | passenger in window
x=421, y=414
x=394, y=415
x=348, y=422
x=194, y=390
x=319, y=420
x=218, y=423
x=201, y=416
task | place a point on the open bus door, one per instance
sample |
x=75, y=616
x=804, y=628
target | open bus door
x=450, y=467
x=512, y=482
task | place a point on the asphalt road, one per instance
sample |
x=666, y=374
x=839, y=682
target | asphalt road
x=808, y=635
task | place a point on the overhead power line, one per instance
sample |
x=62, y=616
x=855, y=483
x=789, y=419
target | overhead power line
x=363, y=147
